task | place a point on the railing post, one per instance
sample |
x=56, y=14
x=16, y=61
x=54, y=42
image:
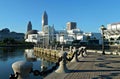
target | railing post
x=75, y=59
x=23, y=68
x=55, y=47
x=50, y=47
x=62, y=64
x=62, y=48
x=70, y=48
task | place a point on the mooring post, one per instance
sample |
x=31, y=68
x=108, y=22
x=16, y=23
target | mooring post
x=62, y=64
x=23, y=68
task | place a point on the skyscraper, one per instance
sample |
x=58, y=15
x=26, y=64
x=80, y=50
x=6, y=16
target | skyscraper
x=29, y=26
x=44, y=20
x=71, y=25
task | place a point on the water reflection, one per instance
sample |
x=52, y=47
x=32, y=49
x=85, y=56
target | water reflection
x=29, y=55
x=10, y=55
x=7, y=57
x=43, y=64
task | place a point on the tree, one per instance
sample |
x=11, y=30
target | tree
x=9, y=41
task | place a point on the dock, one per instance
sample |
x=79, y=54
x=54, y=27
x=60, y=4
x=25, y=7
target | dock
x=92, y=66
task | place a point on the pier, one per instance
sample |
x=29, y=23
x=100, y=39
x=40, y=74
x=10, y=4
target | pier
x=75, y=63
x=93, y=66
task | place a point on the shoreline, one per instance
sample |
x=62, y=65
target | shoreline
x=18, y=45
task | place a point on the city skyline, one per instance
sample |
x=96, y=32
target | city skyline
x=88, y=14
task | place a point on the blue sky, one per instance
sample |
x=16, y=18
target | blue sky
x=89, y=14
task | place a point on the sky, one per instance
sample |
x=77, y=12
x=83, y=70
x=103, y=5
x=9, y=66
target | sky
x=88, y=14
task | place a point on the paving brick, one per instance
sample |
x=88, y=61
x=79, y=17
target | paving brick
x=94, y=66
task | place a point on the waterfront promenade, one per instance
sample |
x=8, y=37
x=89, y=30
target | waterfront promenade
x=93, y=66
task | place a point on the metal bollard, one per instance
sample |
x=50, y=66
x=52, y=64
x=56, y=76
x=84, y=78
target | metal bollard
x=23, y=68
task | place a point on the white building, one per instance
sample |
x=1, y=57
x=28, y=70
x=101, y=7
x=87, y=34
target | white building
x=93, y=36
x=48, y=35
x=41, y=37
x=67, y=36
x=32, y=36
x=112, y=33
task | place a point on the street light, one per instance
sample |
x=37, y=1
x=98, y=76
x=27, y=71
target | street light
x=102, y=31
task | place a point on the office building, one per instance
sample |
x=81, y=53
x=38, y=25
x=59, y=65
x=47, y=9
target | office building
x=71, y=25
x=29, y=26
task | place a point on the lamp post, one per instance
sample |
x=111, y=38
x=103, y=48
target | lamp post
x=102, y=31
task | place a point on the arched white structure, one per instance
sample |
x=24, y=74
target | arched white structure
x=113, y=31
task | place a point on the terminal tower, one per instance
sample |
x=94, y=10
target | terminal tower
x=44, y=20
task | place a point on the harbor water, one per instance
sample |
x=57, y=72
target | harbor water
x=10, y=55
